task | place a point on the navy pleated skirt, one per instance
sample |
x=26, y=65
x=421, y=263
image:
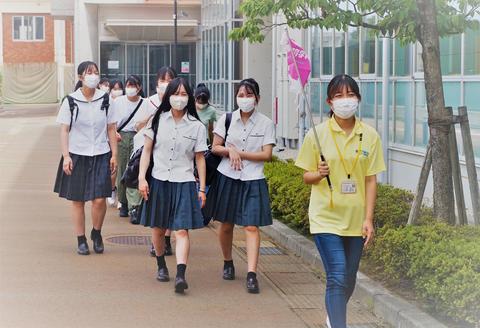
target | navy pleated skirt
x=172, y=205
x=90, y=178
x=245, y=203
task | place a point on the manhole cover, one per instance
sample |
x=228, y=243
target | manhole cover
x=130, y=240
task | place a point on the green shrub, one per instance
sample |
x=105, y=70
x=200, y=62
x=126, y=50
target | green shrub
x=440, y=262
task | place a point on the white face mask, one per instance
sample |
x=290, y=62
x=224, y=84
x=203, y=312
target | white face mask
x=162, y=87
x=117, y=93
x=246, y=104
x=178, y=102
x=345, y=107
x=131, y=92
x=201, y=106
x=104, y=88
x=91, y=80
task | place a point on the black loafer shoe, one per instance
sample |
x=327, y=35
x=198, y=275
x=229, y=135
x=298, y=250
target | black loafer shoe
x=123, y=211
x=252, y=286
x=134, y=219
x=98, y=245
x=83, y=249
x=168, y=250
x=229, y=273
x=152, y=251
x=162, y=275
x=180, y=285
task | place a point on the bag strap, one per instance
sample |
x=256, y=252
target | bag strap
x=131, y=116
x=228, y=120
x=105, y=103
x=72, y=104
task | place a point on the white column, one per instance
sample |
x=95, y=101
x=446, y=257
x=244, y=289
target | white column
x=385, y=105
x=60, y=58
x=85, y=32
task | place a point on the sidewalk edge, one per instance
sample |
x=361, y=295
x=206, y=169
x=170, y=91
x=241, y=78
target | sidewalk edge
x=393, y=309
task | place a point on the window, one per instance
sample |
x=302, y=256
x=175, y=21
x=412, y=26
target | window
x=472, y=101
x=402, y=59
x=28, y=28
x=339, y=52
x=315, y=98
x=353, y=51
x=367, y=105
x=418, y=58
x=327, y=49
x=403, y=114
x=450, y=54
x=421, y=116
x=368, y=50
x=472, y=53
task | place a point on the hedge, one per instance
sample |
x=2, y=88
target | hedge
x=440, y=262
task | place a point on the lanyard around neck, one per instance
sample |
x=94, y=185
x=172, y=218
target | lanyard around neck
x=342, y=158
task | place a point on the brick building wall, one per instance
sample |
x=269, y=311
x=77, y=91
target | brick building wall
x=16, y=52
x=69, y=40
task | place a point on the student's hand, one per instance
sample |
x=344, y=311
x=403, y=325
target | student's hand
x=235, y=160
x=119, y=137
x=368, y=231
x=67, y=165
x=113, y=165
x=143, y=188
x=202, y=198
x=323, y=169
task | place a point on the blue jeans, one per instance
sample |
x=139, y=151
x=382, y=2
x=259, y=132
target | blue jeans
x=341, y=257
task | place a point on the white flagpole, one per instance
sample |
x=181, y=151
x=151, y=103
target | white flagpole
x=309, y=111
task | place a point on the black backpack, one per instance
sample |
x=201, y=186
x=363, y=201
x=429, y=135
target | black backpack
x=72, y=105
x=130, y=176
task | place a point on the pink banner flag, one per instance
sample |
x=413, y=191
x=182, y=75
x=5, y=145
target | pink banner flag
x=298, y=55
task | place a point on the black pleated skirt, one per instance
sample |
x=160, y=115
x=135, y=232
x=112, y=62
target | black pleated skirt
x=245, y=203
x=90, y=178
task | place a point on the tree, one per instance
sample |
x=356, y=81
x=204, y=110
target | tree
x=407, y=20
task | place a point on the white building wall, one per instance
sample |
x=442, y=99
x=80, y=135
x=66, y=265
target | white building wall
x=85, y=32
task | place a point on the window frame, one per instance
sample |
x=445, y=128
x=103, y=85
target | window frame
x=34, y=28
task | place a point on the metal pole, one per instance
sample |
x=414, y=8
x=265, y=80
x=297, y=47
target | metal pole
x=308, y=110
x=385, y=102
x=174, y=59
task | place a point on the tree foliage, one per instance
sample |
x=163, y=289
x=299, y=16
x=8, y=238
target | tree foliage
x=397, y=19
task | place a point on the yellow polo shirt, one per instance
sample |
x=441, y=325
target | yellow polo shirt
x=346, y=216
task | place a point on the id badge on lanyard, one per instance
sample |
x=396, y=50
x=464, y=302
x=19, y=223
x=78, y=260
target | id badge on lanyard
x=349, y=187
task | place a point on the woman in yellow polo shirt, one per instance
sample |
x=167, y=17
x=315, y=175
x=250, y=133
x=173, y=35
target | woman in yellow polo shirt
x=341, y=217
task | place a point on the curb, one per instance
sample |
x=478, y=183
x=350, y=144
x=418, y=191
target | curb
x=392, y=309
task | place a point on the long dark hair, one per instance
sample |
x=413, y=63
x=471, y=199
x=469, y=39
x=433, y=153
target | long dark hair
x=137, y=81
x=252, y=87
x=171, y=90
x=82, y=68
x=338, y=83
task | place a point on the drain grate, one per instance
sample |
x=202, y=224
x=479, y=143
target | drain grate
x=130, y=240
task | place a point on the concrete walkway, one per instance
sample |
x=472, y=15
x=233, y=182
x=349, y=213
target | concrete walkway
x=44, y=283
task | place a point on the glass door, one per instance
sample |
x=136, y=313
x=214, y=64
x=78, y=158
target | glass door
x=159, y=56
x=112, y=61
x=137, y=63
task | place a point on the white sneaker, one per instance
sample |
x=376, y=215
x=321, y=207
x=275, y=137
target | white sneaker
x=119, y=205
x=113, y=198
x=328, y=322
